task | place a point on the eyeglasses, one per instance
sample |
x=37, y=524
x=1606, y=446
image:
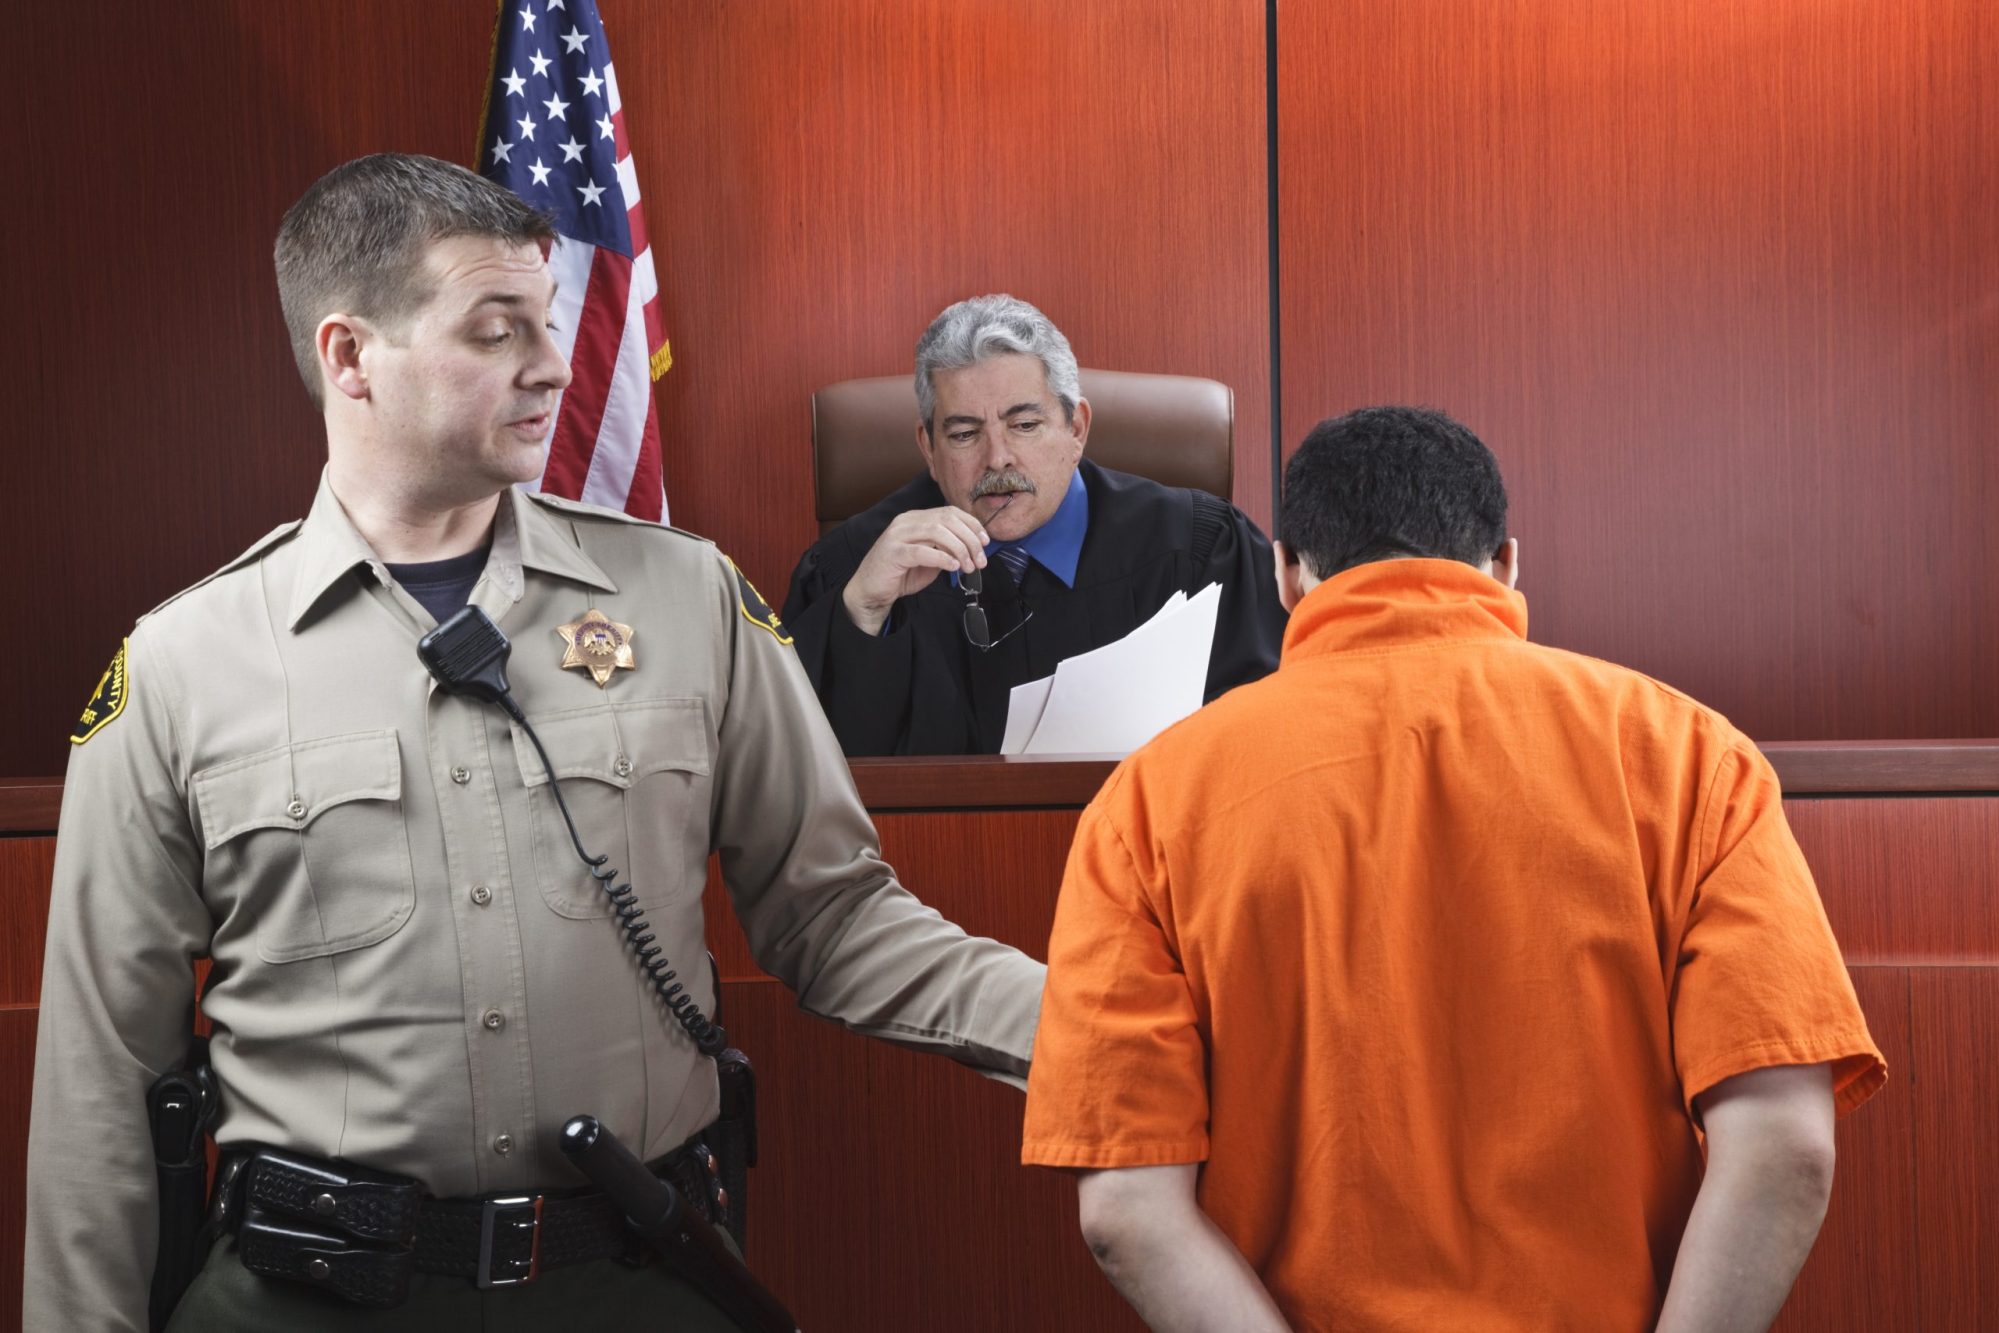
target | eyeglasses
x=977, y=631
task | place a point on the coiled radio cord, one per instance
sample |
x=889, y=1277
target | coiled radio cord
x=708, y=1037
x=467, y=655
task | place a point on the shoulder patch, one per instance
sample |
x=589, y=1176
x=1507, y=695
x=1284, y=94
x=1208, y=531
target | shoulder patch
x=107, y=702
x=754, y=608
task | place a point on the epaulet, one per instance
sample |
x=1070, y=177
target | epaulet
x=567, y=506
x=256, y=549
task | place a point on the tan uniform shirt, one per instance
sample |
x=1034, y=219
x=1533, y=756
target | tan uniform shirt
x=411, y=968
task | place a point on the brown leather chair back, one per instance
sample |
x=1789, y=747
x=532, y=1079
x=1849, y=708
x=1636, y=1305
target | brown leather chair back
x=1173, y=429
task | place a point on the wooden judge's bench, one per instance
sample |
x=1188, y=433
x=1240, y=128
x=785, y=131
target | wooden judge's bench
x=890, y=1197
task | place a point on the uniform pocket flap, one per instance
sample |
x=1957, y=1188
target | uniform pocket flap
x=621, y=745
x=291, y=786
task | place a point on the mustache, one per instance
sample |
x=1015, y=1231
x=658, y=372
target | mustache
x=999, y=483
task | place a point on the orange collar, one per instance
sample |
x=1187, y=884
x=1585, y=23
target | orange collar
x=1390, y=604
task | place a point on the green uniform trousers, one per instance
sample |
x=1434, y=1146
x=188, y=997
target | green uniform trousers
x=226, y=1297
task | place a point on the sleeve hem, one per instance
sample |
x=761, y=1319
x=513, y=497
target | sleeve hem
x=852, y=640
x=1858, y=1069
x=1100, y=1156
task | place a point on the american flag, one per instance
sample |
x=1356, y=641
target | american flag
x=554, y=134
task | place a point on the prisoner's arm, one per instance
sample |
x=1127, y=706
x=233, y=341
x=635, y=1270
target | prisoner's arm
x=1166, y=1258
x=1769, y=1175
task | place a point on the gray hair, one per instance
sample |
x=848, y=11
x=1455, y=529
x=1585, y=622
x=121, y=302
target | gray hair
x=989, y=326
x=356, y=241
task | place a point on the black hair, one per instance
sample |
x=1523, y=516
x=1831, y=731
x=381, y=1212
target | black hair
x=1391, y=481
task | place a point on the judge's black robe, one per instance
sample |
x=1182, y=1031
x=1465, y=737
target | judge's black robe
x=922, y=688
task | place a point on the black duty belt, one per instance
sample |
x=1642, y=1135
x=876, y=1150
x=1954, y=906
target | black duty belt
x=359, y=1234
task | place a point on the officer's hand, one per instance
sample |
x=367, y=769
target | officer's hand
x=908, y=557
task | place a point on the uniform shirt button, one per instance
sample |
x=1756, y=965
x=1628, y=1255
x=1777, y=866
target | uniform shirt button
x=493, y=1019
x=503, y=1144
x=296, y=809
x=481, y=894
x=623, y=767
x=461, y=775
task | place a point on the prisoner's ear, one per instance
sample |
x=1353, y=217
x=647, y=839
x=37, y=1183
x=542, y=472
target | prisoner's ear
x=1293, y=579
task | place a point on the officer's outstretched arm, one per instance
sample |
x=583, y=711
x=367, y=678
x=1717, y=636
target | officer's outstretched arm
x=822, y=910
x=117, y=1003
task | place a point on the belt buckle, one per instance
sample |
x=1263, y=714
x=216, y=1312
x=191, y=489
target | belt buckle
x=499, y=1218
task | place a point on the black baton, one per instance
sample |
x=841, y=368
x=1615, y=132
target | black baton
x=677, y=1233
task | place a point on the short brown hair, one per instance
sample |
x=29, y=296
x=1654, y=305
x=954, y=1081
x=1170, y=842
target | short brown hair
x=355, y=241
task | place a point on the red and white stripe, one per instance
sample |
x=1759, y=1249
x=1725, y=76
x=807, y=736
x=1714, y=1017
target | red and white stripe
x=605, y=448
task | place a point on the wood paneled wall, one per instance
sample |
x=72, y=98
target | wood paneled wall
x=819, y=180
x=26, y=864
x=1720, y=286
x=1717, y=284
x=164, y=427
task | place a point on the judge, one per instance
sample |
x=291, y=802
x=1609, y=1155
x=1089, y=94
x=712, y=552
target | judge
x=1009, y=552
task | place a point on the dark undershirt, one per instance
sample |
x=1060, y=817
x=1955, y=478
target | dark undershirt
x=443, y=586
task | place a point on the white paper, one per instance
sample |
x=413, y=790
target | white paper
x=1026, y=703
x=1024, y=706
x=1113, y=699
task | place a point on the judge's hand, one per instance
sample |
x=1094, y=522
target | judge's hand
x=909, y=555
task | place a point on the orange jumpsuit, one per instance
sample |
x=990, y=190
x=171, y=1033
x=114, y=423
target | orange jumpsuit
x=1425, y=945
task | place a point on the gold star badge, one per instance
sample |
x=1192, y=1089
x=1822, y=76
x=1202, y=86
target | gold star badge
x=598, y=644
